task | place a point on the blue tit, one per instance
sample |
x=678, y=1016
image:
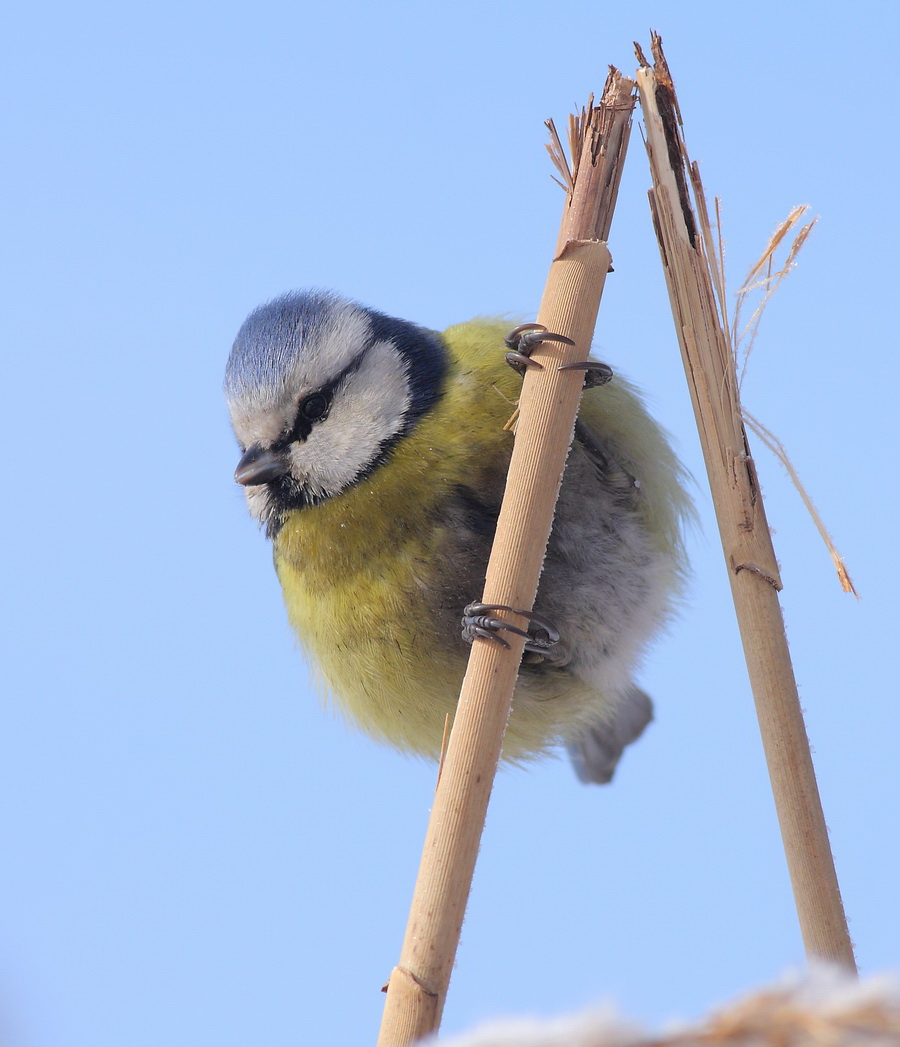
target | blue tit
x=374, y=454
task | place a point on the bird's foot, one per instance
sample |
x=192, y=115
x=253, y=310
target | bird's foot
x=477, y=621
x=521, y=342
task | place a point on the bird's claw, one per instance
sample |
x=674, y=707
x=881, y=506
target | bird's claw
x=521, y=341
x=520, y=362
x=478, y=622
x=595, y=373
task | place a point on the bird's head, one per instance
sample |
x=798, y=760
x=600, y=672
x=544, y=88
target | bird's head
x=319, y=389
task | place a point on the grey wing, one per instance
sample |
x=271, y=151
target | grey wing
x=612, y=473
x=597, y=750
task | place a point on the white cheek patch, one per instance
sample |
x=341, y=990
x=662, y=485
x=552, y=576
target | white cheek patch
x=368, y=411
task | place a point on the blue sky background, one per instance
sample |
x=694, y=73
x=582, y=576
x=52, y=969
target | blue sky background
x=194, y=852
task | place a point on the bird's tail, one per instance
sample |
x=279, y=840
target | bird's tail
x=597, y=750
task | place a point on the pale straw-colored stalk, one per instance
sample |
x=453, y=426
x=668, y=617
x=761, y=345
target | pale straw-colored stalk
x=697, y=294
x=418, y=984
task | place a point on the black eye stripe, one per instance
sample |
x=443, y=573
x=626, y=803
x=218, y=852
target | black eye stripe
x=314, y=407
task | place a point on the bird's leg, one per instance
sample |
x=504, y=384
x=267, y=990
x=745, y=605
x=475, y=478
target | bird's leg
x=477, y=621
x=521, y=342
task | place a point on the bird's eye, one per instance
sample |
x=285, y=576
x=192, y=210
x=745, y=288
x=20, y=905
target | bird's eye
x=314, y=407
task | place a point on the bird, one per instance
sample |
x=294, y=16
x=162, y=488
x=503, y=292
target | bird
x=374, y=456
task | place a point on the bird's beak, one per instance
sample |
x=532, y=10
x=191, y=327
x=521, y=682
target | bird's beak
x=259, y=465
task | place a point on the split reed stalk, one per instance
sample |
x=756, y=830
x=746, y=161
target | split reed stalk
x=686, y=245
